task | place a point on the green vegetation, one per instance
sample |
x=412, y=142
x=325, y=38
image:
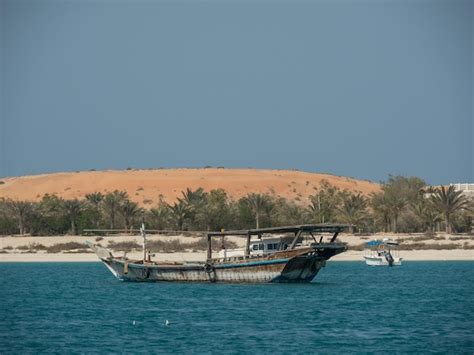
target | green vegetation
x=447, y=202
x=403, y=205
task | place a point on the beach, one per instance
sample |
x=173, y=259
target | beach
x=14, y=248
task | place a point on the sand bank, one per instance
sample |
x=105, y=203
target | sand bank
x=409, y=255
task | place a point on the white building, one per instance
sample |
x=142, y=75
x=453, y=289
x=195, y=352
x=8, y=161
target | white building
x=466, y=189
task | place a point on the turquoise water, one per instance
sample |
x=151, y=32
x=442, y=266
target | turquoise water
x=82, y=308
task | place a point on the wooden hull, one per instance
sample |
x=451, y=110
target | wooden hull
x=299, y=265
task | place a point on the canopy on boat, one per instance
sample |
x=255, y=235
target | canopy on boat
x=310, y=228
x=374, y=243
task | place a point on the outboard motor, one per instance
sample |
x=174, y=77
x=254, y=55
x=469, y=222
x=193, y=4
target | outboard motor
x=389, y=258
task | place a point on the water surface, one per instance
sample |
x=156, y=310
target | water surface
x=81, y=307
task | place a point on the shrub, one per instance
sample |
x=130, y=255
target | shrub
x=467, y=246
x=123, y=246
x=31, y=246
x=57, y=248
x=459, y=238
x=428, y=246
x=78, y=251
x=357, y=247
x=166, y=246
x=430, y=234
x=37, y=246
x=426, y=236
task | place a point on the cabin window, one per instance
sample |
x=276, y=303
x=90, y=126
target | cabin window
x=270, y=246
x=261, y=246
x=255, y=247
x=275, y=246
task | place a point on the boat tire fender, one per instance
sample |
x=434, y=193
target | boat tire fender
x=146, y=273
x=211, y=272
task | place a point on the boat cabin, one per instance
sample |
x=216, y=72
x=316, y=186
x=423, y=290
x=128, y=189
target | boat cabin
x=267, y=246
x=289, y=238
x=257, y=247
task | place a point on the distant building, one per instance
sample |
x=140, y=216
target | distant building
x=466, y=189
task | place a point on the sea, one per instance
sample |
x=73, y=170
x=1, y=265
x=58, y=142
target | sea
x=420, y=307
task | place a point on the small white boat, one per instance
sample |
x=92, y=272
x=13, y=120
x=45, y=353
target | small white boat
x=382, y=253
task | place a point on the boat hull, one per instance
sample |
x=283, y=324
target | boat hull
x=280, y=270
x=381, y=261
x=284, y=267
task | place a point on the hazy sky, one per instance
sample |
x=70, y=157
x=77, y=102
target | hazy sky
x=356, y=88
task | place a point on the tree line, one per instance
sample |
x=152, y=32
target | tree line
x=403, y=205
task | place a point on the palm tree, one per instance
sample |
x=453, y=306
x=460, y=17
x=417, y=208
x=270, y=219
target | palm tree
x=426, y=214
x=20, y=211
x=257, y=203
x=448, y=201
x=179, y=213
x=72, y=208
x=395, y=204
x=324, y=204
x=112, y=203
x=95, y=198
x=214, y=213
x=160, y=215
x=380, y=207
x=129, y=211
x=195, y=202
x=191, y=197
x=353, y=210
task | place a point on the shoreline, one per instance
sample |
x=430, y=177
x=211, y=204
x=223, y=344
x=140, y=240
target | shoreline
x=34, y=249
x=351, y=255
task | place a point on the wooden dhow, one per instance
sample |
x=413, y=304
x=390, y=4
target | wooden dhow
x=289, y=261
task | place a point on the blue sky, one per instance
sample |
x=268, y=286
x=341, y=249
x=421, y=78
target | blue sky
x=355, y=88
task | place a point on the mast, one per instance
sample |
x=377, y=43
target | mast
x=142, y=232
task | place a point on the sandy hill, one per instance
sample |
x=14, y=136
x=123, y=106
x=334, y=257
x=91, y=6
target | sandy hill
x=145, y=186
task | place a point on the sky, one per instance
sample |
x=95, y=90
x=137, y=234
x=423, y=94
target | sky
x=354, y=88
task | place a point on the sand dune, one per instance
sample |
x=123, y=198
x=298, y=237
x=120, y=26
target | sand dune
x=145, y=186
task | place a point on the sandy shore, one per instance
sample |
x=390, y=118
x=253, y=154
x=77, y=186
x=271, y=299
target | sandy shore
x=10, y=244
x=408, y=255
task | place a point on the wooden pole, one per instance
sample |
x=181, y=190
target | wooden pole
x=209, y=247
x=297, y=236
x=247, y=246
x=142, y=230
